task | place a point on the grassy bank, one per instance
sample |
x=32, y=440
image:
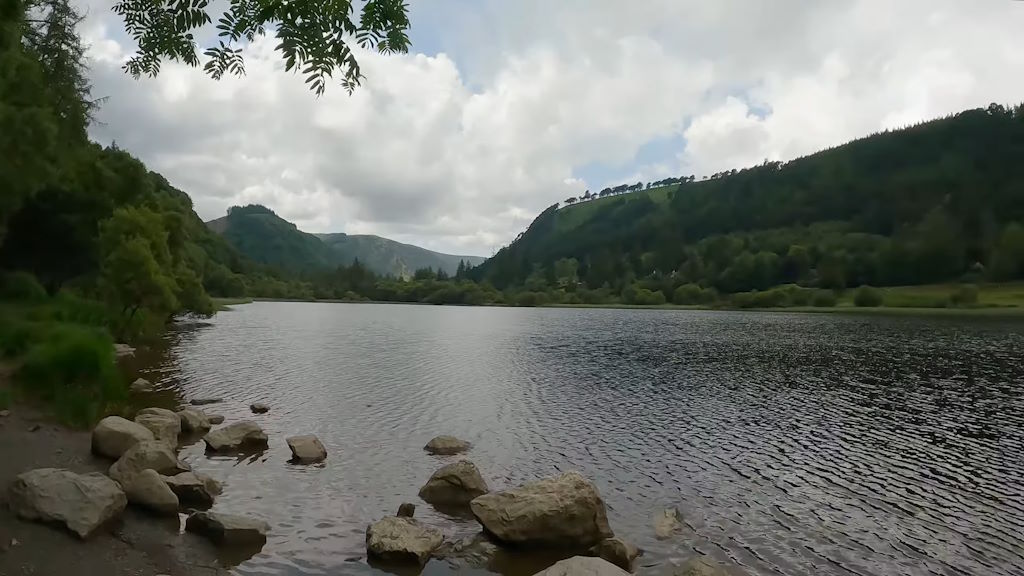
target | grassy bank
x=222, y=304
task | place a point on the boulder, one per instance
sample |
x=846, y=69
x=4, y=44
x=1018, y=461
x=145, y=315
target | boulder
x=259, y=408
x=148, y=455
x=192, y=488
x=193, y=420
x=113, y=436
x=473, y=551
x=564, y=511
x=228, y=529
x=215, y=419
x=141, y=385
x=236, y=436
x=164, y=424
x=617, y=551
x=147, y=489
x=583, y=566
x=401, y=540
x=123, y=350
x=454, y=484
x=406, y=510
x=82, y=502
x=307, y=449
x=666, y=523
x=699, y=566
x=447, y=445
x=205, y=401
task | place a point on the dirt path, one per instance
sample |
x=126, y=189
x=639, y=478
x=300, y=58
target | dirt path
x=138, y=545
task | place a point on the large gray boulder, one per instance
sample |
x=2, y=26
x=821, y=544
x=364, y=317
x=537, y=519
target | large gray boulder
x=666, y=523
x=699, y=566
x=149, y=455
x=113, y=436
x=307, y=449
x=564, y=511
x=617, y=551
x=147, y=489
x=164, y=424
x=192, y=488
x=454, y=484
x=236, y=436
x=447, y=445
x=583, y=566
x=81, y=502
x=402, y=540
x=193, y=420
x=228, y=529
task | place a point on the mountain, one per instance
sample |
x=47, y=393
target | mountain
x=942, y=200
x=263, y=236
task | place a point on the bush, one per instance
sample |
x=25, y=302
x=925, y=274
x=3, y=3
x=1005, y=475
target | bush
x=530, y=298
x=774, y=298
x=868, y=297
x=73, y=370
x=824, y=299
x=21, y=286
x=688, y=294
x=965, y=295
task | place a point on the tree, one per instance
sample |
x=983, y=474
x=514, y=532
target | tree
x=1008, y=256
x=571, y=200
x=313, y=36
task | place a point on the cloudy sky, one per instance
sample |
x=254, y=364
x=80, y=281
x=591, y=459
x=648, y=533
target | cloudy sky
x=503, y=107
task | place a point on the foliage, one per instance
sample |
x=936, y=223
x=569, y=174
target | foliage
x=868, y=297
x=824, y=299
x=21, y=286
x=965, y=295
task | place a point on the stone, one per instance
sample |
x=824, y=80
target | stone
x=666, y=523
x=5, y=413
x=475, y=551
x=147, y=489
x=164, y=424
x=447, y=445
x=454, y=484
x=406, y=510
x=205, y=401
x=307, y=449
x=123, y=350
x=259, y=408
x=699, y=566
x=228, y=529
x=617, y=551
x=141, y=385
x=193, y=420
x=583, y=566
x=148, y=455
x=215, y=419
x=402, y=540
x=113, y=436
x=192, y=488
x=564, y=511
x=236, y=436
x=81, y=502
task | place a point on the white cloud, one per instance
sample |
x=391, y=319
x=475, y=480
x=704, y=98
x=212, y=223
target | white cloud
x=458, y=151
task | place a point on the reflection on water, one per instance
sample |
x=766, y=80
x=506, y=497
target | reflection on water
x=792, y=444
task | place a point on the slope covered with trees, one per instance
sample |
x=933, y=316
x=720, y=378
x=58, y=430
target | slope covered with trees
x=940, y=201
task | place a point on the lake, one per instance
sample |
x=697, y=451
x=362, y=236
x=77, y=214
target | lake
x=791, y=443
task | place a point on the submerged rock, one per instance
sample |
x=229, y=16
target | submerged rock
x=141, y=385
x=402, y=540
x=81, y=502
x=699, y=567
x=236, y=436
x=259, y=408
x=113, y=436
x=454, y=484
x=228, y=529
x=164, y=424
x=205, y=401
x=447, y=445
x=564, y=511
x=666, y=523
x=475, y=551
x=148, y=455
x=306, y=449
x=583, y=566
x=215, y=419
x=406, y=510
x=617, y=551
x=192, y=488
x=147, y=489
x=194, y=420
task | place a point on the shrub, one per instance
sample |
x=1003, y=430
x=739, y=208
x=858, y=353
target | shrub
x=531, y=298
x=73, y=370
x=21, y=286
x=824, y=299
x=688, y=294
x=868, y=297
x=965, y=295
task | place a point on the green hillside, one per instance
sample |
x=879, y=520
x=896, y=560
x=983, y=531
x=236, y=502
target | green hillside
x=937, y=202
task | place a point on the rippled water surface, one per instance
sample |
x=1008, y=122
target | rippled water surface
x=792, y=444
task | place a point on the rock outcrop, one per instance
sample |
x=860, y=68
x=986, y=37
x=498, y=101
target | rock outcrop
x=164, y=424
x=194, y=420
x=617, y=551
x=141, y=385
x=192, y=488
x=259, y=408
x=667, y=524
x=447, y=445
x=149, y=455
x=402, y=540
x=454, y=484
x=228, y=529
x=306, y=449
x=563, y=511
x=236, y=436
x=583, y=566
x=81, y=502
x=147, y=489
x=113, y=436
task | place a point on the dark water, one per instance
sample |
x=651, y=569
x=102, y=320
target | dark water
x=792, y=444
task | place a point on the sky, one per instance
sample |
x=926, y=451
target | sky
x=504, y=107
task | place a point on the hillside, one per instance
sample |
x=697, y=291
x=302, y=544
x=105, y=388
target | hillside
x=260, y=234
x=939, y=201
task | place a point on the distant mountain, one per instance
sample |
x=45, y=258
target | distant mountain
x=263, y=236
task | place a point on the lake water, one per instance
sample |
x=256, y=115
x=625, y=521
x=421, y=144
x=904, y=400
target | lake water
x=792, y=444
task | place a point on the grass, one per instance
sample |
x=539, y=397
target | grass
x=222, y=304
x=570, y=217
x=997, y=296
